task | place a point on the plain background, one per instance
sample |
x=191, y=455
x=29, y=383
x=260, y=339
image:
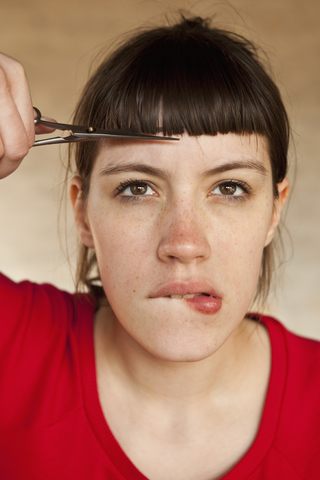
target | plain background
x=56, y=42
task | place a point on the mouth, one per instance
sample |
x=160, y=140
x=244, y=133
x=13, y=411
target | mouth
x=186, y=289
x=198, y=295
x=188, y=295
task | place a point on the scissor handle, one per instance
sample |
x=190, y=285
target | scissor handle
x=38, y=117
x=55, y=125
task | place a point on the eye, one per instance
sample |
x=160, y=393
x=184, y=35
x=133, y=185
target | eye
x=230, y=189
x=135, y=189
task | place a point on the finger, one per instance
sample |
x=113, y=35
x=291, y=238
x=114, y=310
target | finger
x=20, y=92
x=40, y=129
x=15, y=142
x=1, y=149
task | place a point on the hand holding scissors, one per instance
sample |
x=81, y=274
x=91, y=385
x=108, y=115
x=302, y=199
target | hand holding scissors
x=18, y=126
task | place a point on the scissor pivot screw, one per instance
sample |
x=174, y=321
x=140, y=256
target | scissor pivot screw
x=91, y=129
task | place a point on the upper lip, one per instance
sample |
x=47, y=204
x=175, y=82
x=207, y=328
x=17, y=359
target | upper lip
x=184, y=288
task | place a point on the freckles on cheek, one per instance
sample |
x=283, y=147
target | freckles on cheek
x=239, y=248
x=121, y=243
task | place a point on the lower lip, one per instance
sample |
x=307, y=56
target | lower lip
x=204, y=304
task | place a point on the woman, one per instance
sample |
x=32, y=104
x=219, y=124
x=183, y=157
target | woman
x=159, y=372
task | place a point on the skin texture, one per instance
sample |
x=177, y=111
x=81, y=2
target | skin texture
x=188, y=387
x=179, y=231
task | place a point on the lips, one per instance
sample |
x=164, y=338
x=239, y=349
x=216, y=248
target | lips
x=186, y=288
x=197, y=294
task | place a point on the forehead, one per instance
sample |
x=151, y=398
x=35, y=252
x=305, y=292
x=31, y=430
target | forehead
x=193, y=154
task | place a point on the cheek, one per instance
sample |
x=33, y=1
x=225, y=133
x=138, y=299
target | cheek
x=239, y=248
x=124, y=247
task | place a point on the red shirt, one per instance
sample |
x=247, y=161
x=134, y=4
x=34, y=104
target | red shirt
x=51, y=423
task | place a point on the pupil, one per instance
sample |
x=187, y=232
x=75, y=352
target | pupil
x=138, y=189
x=228, y=189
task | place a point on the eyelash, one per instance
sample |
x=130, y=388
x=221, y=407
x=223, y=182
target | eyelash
x=131, y=198
x=230, y=198
x=234, y=198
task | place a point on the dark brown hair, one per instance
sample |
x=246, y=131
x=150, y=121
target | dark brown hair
x=190, y=78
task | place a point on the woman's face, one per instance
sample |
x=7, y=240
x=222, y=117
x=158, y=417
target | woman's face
x=180, y=218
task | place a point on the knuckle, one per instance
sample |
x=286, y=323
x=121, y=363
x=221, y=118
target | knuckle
x=10, y=62
x=19, y=152
x=4, y=84
x=11, y=71
x=18, y=70
x=15, y=151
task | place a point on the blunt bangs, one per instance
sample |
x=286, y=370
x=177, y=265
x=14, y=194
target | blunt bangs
x=183, y=85
x=189, y=78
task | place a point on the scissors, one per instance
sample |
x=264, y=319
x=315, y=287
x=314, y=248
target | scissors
x=78, y=133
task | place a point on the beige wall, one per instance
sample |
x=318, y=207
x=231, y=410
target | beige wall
x=56, y=42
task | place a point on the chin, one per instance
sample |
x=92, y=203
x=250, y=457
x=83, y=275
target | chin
x=182, y=349
x=184, y=356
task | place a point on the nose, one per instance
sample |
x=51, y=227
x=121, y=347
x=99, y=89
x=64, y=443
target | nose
x=183, y=236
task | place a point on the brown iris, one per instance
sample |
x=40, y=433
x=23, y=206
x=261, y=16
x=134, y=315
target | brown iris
x=138, y=189
x=228, y=188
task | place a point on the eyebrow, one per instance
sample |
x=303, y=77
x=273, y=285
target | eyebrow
x=158, y=172
x=134, y=167
x=248, y=164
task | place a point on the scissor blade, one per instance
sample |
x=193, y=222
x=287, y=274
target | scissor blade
x=97, y=136
x=117, y=134
x=53, y=141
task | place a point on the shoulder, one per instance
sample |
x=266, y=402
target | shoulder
x=299, y=356
x=14, y=295
x=303, y=373
x=28, y=298
x=296, y=368
x=301, y=352
x=36, y=309
x=41, y=331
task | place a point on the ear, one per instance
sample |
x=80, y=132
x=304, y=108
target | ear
x=283, y=189
x=79, y=212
